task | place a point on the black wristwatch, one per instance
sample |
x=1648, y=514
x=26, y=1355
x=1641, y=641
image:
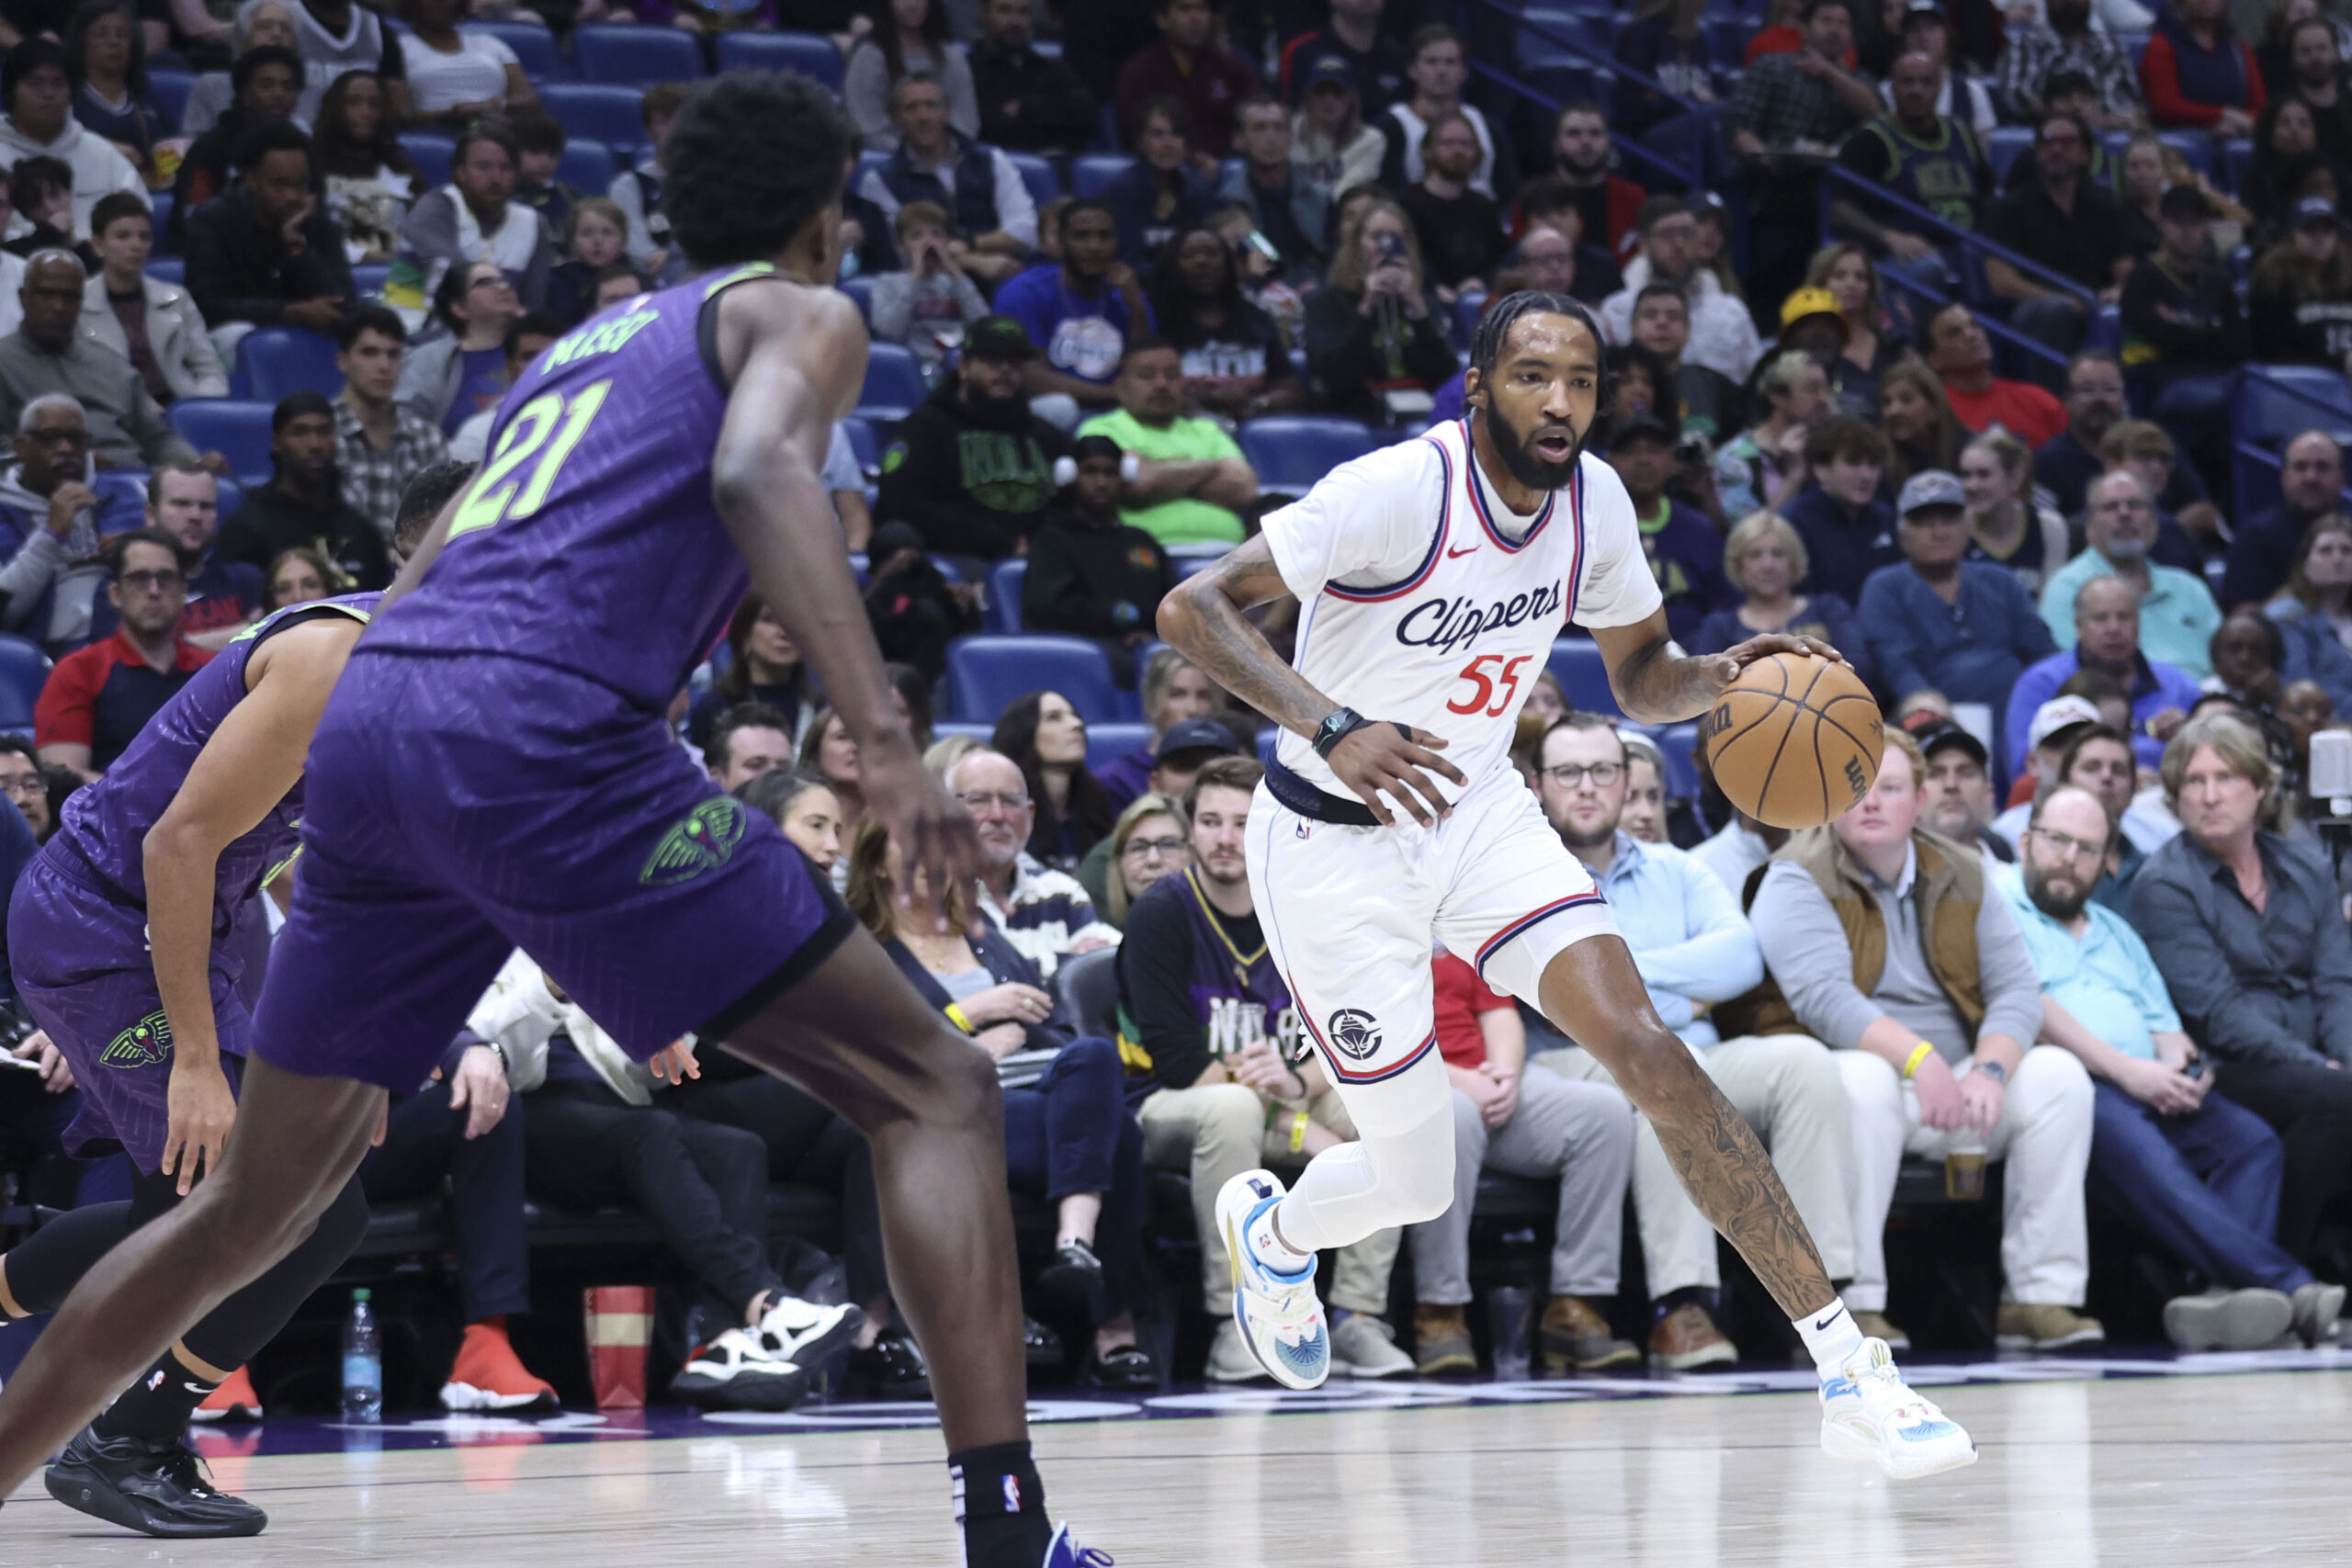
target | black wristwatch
x=1342, y=723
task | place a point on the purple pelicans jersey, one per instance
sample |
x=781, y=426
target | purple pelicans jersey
x=495, y=769
x=77, y=919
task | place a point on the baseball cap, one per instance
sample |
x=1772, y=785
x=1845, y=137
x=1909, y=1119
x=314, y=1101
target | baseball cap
x=1931, y=487
x=1195, y=735
x=2313, y=211
x=998, y=338
x=2184, y=201
x=2060, y=714
x=1643, y=427
x=1942, y=734
x=1806, y=303
x=1331, y=70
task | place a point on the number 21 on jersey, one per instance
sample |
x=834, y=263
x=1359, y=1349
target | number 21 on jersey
x=1494, y=681
x=548, y=421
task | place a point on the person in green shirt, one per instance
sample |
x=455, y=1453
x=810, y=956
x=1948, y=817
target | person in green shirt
x=1191, y=481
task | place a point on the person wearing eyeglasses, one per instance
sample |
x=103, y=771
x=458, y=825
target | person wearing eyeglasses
x=1045, y=914
x=2197, y=1173
x=1693, y=949
x=2067, y=223
x=97, y=700
x=54, y=508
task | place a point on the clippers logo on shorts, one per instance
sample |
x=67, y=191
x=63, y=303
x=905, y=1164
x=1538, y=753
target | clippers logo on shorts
x=705, y=841
x=144, y=1044
x=1354, y=1033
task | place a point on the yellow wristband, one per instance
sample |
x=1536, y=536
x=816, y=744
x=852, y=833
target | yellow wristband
x=1298, y=1133
x=956, y=1016
x=1909, y=1068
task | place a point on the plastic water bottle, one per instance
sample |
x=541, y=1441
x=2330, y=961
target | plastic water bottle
x=363, y=1362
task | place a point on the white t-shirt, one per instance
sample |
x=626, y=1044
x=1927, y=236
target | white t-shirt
x=476, y=73
x=1425, y=601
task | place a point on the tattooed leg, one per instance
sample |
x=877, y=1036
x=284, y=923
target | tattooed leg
x=1592, y=993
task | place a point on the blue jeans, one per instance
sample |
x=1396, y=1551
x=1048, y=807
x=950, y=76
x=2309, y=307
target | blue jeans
x=2204, y=1185
x=1071, y=1131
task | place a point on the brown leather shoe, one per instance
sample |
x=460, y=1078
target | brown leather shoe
x=1688, y=1337
x=1441, y=1341
x=1573, y=1337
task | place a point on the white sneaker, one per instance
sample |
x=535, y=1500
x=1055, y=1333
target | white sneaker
x=1870, y=1415
x=806, y=1333
x=1279, y=1316
x=739, y=1372
x=1364, y=1347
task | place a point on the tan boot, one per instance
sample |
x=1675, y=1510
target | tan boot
x=1874, y=1326
x=1441, y=1341
x=1688, y=1337
x=1574, y=1336
x=2044, y=1325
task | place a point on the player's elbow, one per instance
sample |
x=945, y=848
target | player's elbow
x=1179, y=617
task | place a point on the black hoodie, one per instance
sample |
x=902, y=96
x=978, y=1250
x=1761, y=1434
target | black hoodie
x=1094, y=577
x=974, y=484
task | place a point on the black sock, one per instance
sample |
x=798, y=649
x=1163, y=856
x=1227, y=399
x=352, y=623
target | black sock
x=159, y=1404
x=1001, y=1506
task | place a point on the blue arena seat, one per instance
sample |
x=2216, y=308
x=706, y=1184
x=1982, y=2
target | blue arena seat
x=1190, y=558
x=168, y=269
x=587, y=166
x=1038, y=176
x=1005, y=578
x=1291, y=452
x=433, y=152
x=159, y=203
x=24, y=670
x=533, y=46
x=236, y=428
x=1678, y=743
x=860, y=289
x=2004, y=146
x=986, y=674
x=368, y=278
x=275, y=361
x=629, y=55
x=2269, y=412
x=811, y=54
x=170, y=90
x=1106, y=743
x=1583, y=675
x=1090, y=172
x=1544, y=29
x=2237, y=156
x=597, y=110
x=2193, y=145
x=894, y=383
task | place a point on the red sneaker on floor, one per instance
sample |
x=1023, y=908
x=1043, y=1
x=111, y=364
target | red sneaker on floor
x=487, y=1376
x=233, y=1401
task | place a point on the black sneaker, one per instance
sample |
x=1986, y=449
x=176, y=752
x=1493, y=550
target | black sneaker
x=892, y=1367
x=1040, y=1344
x=155, y=1487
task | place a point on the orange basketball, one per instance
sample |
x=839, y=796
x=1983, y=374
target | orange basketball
x=1795, y=741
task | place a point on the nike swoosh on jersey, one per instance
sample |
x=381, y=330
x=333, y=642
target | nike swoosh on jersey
x=1466, y=550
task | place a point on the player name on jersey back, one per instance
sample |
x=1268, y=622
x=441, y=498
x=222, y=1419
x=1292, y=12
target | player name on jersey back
x=1424, y=601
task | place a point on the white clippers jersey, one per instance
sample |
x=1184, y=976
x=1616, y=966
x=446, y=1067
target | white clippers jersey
x=1424, y=602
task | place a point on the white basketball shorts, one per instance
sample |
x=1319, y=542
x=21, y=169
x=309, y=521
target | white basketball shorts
x=1352, y=916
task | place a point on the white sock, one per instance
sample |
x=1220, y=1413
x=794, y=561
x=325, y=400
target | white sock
x=1832, y=1335
x=1270, y=1248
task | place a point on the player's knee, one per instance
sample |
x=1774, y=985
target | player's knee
x=962, y=1093
x=1416, y=1170
x=341, y=1226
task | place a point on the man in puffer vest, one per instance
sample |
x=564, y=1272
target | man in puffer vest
x=1882, y=940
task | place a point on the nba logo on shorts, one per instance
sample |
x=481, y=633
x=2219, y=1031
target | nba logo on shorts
x=1013, y=1494
x=1355, y=1034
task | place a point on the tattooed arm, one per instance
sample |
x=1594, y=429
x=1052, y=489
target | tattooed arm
x=1656, y=682
x=1204, y=618
x=1592, y=993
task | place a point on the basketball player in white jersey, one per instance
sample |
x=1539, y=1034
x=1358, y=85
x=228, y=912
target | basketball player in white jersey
x=1432, y=576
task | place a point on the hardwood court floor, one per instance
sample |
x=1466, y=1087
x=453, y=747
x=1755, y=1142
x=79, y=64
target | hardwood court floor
x=2146, y=1473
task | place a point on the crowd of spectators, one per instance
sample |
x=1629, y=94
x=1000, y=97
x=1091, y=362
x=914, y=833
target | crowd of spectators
x=2086, y=923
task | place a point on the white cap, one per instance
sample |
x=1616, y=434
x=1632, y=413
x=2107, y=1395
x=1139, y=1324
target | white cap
x=2057, y=713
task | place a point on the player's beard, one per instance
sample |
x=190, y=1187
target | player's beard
x=1513, y=446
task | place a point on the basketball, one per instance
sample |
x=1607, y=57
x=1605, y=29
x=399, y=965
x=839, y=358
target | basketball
x=1795, y=741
